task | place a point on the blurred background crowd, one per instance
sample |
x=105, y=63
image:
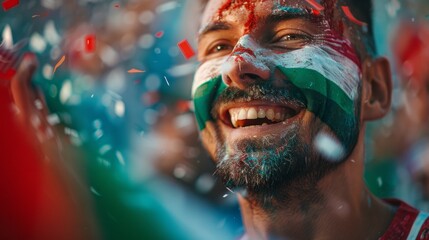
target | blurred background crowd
x=99, y=141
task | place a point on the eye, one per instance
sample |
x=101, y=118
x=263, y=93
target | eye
x=291, y=41
x=219, y=48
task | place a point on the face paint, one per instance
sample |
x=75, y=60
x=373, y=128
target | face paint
x=207, y=87
x=248, y=5
x=320, y=73
x=328, y=79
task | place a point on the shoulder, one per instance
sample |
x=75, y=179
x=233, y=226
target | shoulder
x=408, y=223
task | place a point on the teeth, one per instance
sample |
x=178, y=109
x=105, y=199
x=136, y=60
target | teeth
x=233, y=117
x=261, y=113
x=277, y=115
x=270, y=114
x=252, y=114
x=242, y=114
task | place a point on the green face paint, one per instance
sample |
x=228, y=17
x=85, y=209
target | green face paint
x=328, y=80
x=204, y=97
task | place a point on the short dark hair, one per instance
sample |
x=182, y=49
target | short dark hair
x=363, y=10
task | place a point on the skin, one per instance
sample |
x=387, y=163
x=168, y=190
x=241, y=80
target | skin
x=334, y=205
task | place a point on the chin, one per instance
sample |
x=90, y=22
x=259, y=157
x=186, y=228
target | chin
x=262, y=163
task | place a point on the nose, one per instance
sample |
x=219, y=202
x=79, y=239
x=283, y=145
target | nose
x=244, y=67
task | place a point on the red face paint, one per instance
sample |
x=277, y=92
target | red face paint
x=250, y=7
x=240, y=49
x=339, y=44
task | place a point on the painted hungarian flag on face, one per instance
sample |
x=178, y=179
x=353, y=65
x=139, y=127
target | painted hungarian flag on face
x=328, y=80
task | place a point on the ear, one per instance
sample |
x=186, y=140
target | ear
x=376, y=88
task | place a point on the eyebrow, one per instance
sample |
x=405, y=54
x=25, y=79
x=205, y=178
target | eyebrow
x=288, y=13
x=280, y=14
x=213, y=27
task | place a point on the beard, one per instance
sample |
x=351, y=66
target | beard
x=286, y=160
x=262, y=166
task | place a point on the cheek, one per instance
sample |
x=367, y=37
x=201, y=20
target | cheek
x=208, y=137
x=206, y=72
x=330, y=82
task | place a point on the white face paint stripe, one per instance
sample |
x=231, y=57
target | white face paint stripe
x=207, y=71
x=339, y=69
x=332, y=65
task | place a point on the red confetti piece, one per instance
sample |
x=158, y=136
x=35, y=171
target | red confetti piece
x=8, y=4
x=90, y=43
x=61, y=61
x=133, y=70
x=315, y=12
x=117, y=5
x=349, y=14
x=159, y=34
x=186, y=49
x=315, y=5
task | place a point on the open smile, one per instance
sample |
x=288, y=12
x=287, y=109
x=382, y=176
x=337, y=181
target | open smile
x=257, y=114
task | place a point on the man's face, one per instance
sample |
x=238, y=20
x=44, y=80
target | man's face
x=277, y=92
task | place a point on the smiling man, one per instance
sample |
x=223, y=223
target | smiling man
x=281, y=98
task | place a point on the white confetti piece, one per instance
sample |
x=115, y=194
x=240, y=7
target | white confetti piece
x=329, y=147
x=37, y=43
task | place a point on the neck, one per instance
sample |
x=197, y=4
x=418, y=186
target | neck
x=339, y=205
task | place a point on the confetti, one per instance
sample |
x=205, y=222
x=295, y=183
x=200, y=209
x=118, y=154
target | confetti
x=61, y=61
x=329, y=147
x=315, y=12
x=133, y=70
x=167, y=6
x=315, y=5
x=159, y=34
x=43, y=14
x=95, y=191
x=8, y=4
x=116, y=5
x=90, y=43
x=380, y=181
x=166, y=80
x=349, y=14
x=186, y=49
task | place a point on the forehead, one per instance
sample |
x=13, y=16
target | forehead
x=239, y=10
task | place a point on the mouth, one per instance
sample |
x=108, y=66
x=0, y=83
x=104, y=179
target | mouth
x=254, y=114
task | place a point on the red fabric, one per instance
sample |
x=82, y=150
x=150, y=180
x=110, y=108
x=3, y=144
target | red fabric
x=403, y=221
x=34, y=203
